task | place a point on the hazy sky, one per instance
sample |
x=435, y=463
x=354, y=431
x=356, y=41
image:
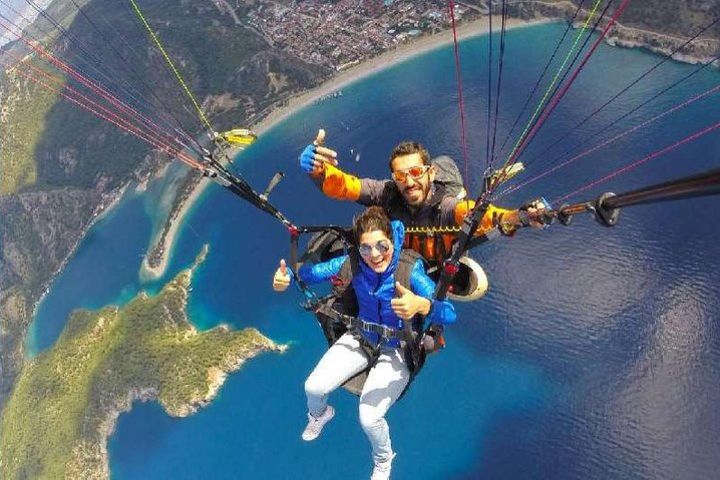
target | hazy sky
x=19, y=5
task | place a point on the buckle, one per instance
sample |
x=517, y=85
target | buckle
x=383, y=331
x=387, y=332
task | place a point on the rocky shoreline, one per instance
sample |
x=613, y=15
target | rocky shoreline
x=702, y=50
x=216, y=379
x=146, y=351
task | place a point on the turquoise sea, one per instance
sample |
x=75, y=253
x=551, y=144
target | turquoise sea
x=594, y=355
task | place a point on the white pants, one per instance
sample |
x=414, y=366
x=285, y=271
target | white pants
x=384, y=384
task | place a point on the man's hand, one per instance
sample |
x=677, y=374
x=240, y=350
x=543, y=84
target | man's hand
x=536, y=214
x=315, y=155
x=281, y=280
x=407, y=304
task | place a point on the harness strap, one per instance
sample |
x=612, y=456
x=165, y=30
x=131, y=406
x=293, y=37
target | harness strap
x=414, y=353
x=350, y=267
x=410, y=335
x=384, y=331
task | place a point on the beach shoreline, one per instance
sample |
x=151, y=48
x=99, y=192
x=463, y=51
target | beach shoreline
x=385, y=60
x=403, y=52
x=166, y=239
x=304, y=99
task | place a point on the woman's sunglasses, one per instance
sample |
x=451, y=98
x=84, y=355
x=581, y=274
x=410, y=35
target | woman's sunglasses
x=382, y=246
x=414, y=173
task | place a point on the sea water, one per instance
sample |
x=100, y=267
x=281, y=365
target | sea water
x=593, y=355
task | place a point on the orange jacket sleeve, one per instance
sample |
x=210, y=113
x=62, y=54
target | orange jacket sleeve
x=494, y=216
x=337, y=184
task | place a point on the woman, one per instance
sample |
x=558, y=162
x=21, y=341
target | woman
x=382, y=301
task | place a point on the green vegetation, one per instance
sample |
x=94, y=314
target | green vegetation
x=25, y=106
x=65, y=162
x=65, y=402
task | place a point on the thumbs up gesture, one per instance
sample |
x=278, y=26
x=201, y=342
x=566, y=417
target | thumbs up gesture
x=316, y=155
x=320, y=138
x=281, y=279
x=406, y=305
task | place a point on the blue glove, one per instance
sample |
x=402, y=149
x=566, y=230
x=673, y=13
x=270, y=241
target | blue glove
x=307, y=159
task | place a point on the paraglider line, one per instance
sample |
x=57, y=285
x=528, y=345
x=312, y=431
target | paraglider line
x=109, y=97
x=499, y=83
x=554, y=80
x=541, y=77
x=95, y=106
x=556, y=100
x=172, y=65
x=643, y=160
x=666, y=58
x=611, y=140
x=458, y=73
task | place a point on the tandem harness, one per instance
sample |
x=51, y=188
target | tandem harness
x=337, y=314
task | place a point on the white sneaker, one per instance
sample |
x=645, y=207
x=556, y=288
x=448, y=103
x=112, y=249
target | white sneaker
x=315, y=425
x=382, y=469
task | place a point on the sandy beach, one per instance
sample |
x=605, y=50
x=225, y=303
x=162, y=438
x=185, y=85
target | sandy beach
x=403, y=52
x=148, y=272
x=385, y=60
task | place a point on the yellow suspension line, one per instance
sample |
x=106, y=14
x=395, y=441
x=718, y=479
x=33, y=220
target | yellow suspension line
x=554, y=80
x=172, y=66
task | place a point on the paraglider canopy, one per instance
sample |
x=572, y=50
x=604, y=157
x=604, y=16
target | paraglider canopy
x=238, y=136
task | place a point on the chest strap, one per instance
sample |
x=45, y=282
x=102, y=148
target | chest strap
x=385, y=332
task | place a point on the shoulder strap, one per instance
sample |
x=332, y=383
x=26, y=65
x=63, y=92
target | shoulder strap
x=349, y=268
x=407, y=261
x=411, y=331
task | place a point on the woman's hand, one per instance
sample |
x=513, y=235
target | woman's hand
x=407, y=304
x=281, y=280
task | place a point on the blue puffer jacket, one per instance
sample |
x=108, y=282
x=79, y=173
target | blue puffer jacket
x=375, y=290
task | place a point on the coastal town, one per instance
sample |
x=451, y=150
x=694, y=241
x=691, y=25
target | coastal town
x=341, y=34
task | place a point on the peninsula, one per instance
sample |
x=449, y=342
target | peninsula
x=67, y=400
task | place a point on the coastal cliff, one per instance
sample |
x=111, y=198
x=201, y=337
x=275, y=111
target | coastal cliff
x=658, y=26
x=59, y=417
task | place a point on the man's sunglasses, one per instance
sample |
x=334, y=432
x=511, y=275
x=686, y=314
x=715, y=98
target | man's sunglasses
x=414, y=173
x=382, y=246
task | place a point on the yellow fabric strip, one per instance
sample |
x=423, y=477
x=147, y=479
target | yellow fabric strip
x=487, y=223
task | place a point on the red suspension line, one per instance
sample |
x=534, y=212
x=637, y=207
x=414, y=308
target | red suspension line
x=173, y=151
x=561, y=93
x=609, y=141
x=637, y=163
x=98, y=89
x=97, y=106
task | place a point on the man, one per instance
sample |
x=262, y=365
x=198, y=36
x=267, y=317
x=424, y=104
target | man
x=431, y=216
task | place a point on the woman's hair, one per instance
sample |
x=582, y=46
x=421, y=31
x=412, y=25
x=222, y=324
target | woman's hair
x=372, y=218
